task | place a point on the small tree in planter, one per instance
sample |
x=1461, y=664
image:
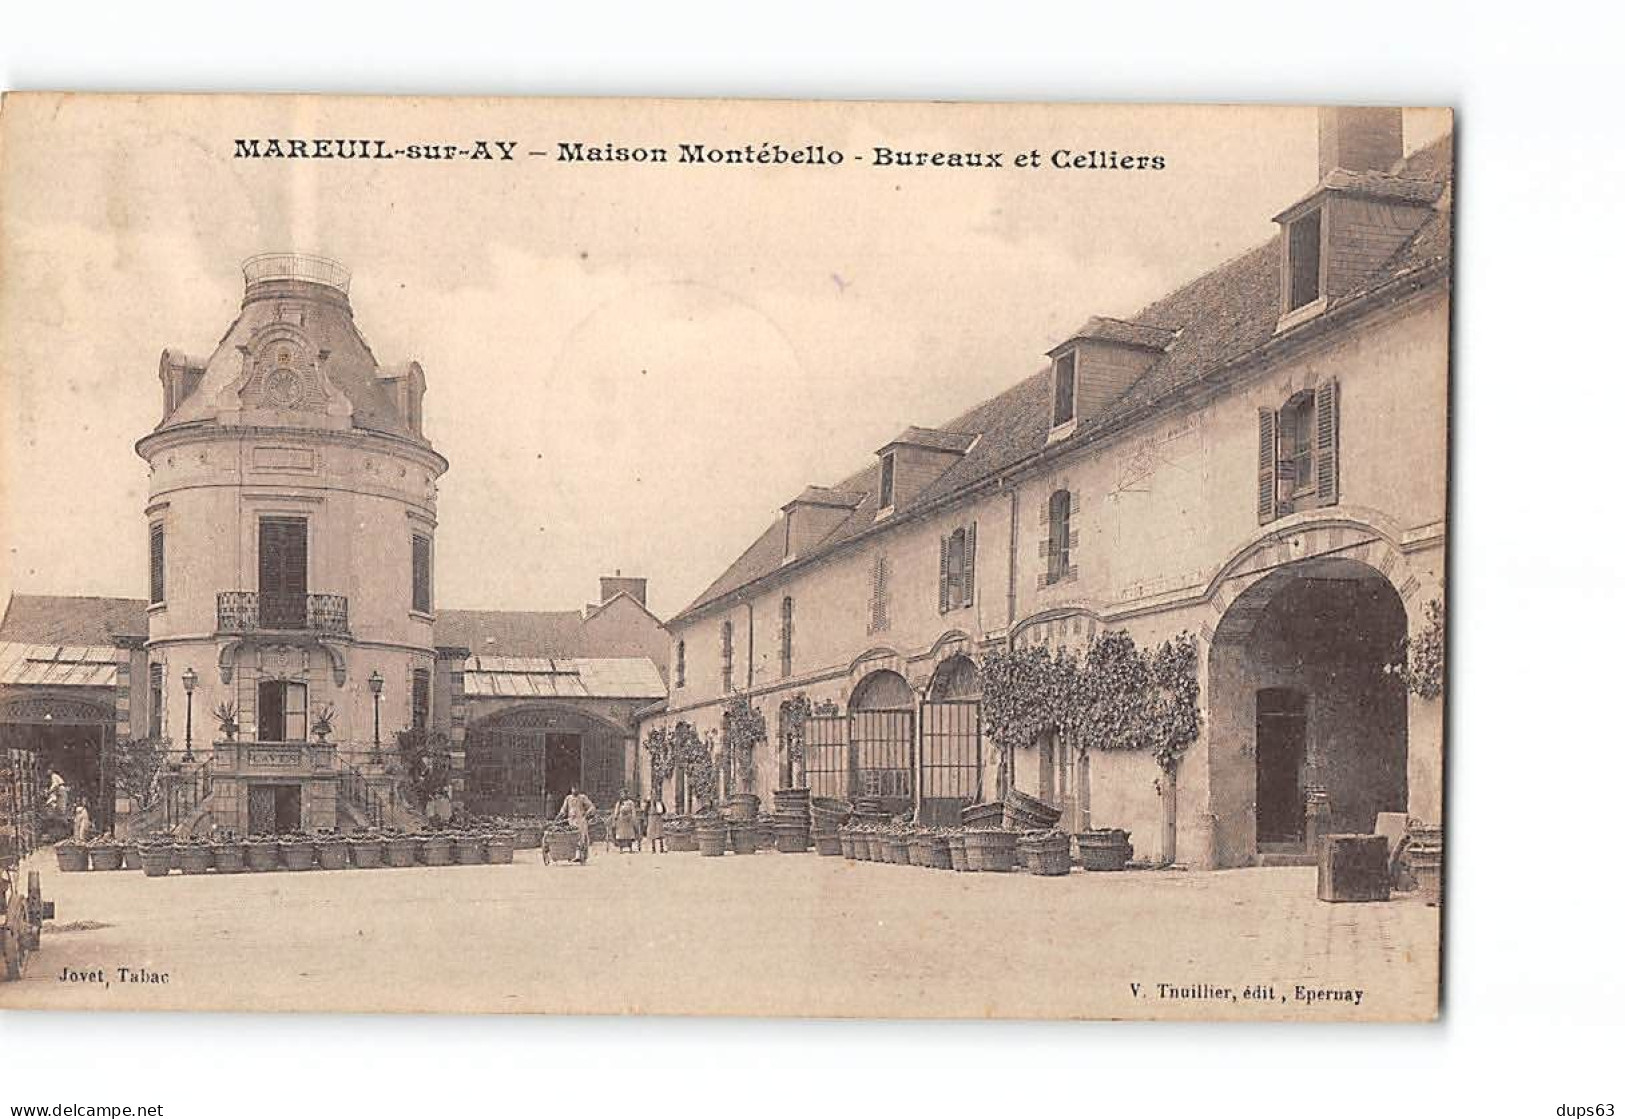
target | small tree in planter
x=426, y=756
x=658, y=744
x=136, y=762
x=743, y=727
x=698, y=761
x=225, y=714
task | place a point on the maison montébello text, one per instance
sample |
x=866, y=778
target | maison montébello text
x=820, y=155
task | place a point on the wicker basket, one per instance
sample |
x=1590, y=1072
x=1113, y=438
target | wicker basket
x=367, y=854
x=401, y=850
x=229, y=857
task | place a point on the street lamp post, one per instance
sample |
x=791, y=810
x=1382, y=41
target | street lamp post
x=376, y=683
x=189, y=682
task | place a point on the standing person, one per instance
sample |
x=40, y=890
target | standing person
x=577, y=811
x=655, y=829
x=624, y=822
x=56, y=792
x=81, y=823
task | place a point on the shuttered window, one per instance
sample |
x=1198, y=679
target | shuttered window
x=879, y=593
x=1303, y=261
x=1059, y=544
x=727, y=657
x=422, y=574
x=155, y=564
x=1298, y=453
x=787, y=625
x=888, y=481
x=682, y=664
x=956, y=575
x=420, y=698
x=155, y=701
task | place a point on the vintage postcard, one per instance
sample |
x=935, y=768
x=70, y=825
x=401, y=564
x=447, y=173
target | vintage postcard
x=707, y=557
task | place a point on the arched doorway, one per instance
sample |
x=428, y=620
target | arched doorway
x=67, y=735
x=951, y=742
x=881, y=718
x=523, y=761
x=1302, y=705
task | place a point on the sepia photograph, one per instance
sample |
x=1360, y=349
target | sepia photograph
x=653, y=557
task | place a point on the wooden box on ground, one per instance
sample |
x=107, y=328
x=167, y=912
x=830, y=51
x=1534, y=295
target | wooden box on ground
x=1353, y=868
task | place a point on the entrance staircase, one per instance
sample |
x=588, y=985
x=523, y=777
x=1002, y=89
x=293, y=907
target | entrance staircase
x=1283, y=854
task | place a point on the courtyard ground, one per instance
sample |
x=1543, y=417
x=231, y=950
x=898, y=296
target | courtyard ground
x=761, y=934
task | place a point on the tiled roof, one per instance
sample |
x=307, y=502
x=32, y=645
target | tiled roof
x=934, y=439
x=1409, y=188
x=823, y=495
x=1143, y=335
x=1220, y=318
x=47, y=619
x=513, y=633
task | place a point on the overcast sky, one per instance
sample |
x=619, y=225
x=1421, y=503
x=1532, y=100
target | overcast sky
x=628, y=367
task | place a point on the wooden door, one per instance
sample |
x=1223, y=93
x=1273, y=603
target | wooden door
x=283, y=561
x=1282, y=736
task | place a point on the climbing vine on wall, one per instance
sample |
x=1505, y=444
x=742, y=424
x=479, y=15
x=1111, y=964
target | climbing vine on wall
x=793, y=715
x=1421, y=659
x=1118, y=697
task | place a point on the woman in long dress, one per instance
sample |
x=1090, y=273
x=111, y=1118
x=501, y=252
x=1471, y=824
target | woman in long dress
x=624, y=822
x=655, y=829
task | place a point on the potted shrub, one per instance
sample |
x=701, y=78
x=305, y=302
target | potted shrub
x=193, y=856
x=1048, y=852
x=132, y=855
x=711, y=833
x=401, y=849
x=434, y=848
x=298, y=850
x=72, y=855
x=742, y=837
x=932, y=847
x=527, y=832
x=321, y=722
x=229, y=856
x=680, y=834
x=499, y=847
x=468, y=848
x=157, y=856
x=225, y=714
x=1104, y=849
x=990, y=849
x=367, y=850
x=332, y=851
x=106, y=853
x=561, y=843
x=262, y=852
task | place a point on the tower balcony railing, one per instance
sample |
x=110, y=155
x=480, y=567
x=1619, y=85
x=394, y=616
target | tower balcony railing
x=256, y=611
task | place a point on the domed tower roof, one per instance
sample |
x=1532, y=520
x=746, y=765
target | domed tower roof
x=293, y=358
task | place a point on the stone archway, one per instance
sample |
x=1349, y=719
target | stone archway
x=521, y=761
x=881, y=728
x=1301, y=707
x=951, y=754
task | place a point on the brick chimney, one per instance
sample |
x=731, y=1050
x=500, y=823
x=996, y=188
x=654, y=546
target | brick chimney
x=1358, y=138
x=611, y=585
x=1339, y=235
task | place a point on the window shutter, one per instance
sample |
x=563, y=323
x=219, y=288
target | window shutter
x=1326, y=443
x=155, y=554
x=1043, y=548
x=970, y=563
x=942, y=576
x=1075, y=501
x=1266, y=465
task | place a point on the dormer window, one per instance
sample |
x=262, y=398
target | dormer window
x=888, y=480
x=1303, y=261
x=1066, y=389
